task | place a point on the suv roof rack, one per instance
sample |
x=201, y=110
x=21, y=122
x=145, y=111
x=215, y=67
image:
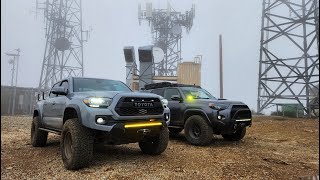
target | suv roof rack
x=166, y=84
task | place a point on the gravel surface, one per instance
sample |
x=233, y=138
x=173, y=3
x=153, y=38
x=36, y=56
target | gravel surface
x=274, y=148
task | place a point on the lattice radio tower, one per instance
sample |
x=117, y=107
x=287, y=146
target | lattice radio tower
x=166, y=28
x=63, y=55
x=289, y=55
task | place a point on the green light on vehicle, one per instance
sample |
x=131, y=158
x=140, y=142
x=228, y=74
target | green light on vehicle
x=190, y=98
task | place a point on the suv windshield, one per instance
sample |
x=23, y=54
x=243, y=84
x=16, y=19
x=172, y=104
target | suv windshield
x=197, y=93
x=83, y=84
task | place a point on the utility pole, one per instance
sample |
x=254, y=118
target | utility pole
x=11, y=61
x=221, y=72
x=14, y=61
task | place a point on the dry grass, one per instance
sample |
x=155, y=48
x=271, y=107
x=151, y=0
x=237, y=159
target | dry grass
x=272, y=149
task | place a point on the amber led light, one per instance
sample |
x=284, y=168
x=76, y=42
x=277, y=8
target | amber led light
x=142, y=124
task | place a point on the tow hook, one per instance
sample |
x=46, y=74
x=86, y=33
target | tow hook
x=144, y=131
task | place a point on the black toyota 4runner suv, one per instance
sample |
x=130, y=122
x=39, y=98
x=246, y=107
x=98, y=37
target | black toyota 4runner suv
x=200, y=114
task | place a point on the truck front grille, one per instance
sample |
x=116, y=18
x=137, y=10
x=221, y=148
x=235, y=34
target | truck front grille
x=125, y=107
x=135, y=99
x=240, y=112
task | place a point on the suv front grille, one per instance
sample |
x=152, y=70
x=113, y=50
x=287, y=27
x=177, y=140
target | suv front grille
x=240, y=112
x=125, y=106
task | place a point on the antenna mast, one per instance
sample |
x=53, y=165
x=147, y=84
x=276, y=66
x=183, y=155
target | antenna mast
x=166, y=28
x=63, y=55
x=292, y=73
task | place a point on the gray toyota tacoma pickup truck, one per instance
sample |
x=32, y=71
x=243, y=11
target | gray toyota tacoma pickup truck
x=85, y=111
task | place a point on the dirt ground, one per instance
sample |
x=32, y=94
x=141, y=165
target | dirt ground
x=274, y=148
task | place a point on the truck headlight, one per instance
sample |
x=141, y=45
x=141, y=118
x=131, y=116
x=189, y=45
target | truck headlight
x=164, y=102
x=98, y=102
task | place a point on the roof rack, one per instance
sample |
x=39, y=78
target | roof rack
x=167, y=84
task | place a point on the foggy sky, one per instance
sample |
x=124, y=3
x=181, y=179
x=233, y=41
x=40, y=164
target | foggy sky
x=115, y=24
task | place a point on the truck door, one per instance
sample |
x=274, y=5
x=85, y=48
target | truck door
x=59, y=107
x=48, y=111
x=176, y=107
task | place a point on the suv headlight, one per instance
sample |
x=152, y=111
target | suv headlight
x=98, y=102
x=164, y=102
x=218, y=106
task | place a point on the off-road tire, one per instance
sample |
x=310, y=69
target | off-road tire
x=174, y=131
x=236, y=136
x=76, y=145
x=155, y=145
x=197, y=131
x=38, y=137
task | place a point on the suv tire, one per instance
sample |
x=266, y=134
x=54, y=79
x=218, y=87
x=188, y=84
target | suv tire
x=198, y=131
x=38, y=137
x=236, y=136
x=76, y=145
x=155, y=145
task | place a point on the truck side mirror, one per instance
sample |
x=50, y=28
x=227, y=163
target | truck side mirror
x=59, y=91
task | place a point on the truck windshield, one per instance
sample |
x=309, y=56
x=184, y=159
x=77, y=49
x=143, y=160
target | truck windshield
x=196, y=93
x=87, y=84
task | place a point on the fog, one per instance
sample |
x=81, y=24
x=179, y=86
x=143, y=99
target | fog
x=115, y=24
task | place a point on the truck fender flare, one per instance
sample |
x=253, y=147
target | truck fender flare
x=39, y=113
x=76, y=107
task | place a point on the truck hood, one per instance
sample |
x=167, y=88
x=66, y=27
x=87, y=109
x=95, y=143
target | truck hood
x=111, y=94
